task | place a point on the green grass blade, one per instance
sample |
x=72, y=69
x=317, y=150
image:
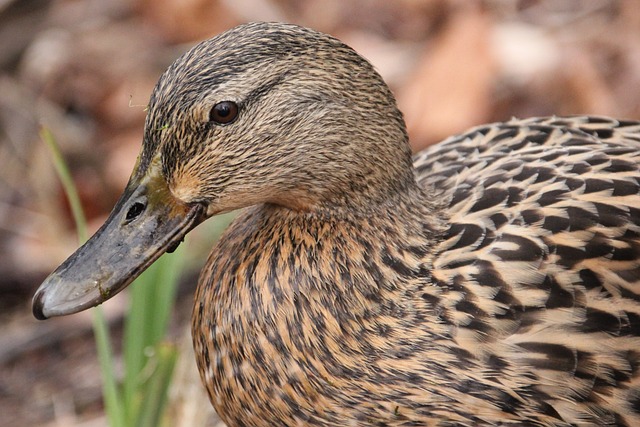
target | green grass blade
x=152, y=300
x=157, y=386
x=133, y=348
x=163, y=292
x=67, y=184
x=113, y=402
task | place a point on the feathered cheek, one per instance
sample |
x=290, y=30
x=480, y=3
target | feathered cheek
x=186, y=187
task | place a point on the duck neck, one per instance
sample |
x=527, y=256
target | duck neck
x=405, y=215
x=379, y=244
x=339, y=280
x=371, y=195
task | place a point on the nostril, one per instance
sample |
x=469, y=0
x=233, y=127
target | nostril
x=135, y=210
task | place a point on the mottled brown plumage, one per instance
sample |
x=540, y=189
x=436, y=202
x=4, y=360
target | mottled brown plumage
x=494, y=282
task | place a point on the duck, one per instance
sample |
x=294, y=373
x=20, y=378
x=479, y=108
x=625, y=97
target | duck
x=492, y=279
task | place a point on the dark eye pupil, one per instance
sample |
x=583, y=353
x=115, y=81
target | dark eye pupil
x=224, y=112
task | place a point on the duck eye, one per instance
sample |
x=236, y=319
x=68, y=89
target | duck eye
x=224, y=112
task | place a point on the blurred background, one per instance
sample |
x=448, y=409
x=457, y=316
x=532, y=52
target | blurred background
x=85, y=69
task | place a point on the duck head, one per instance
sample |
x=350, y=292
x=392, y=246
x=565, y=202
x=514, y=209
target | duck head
x=263, y=113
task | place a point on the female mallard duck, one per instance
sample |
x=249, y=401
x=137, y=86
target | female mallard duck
x=494, y=282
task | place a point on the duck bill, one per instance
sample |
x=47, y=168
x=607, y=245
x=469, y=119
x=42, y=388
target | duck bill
x=146, y=222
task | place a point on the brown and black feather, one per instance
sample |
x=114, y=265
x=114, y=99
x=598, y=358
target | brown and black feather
x=495, y=282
